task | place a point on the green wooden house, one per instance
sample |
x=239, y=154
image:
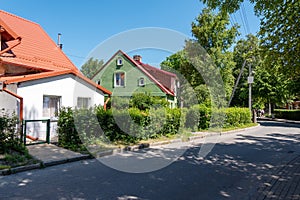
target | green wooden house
x=124, y=76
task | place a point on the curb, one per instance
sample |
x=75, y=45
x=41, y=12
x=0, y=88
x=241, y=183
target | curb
x=41, y=165
x=198, y=135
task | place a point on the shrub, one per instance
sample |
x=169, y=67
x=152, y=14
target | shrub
x=287, y=114
x=198, y=117
x=9, y=134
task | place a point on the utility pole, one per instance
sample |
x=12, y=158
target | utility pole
x=250, y=81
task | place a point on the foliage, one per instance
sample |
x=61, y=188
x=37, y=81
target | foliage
x=9, y=134
x=247, y=54
x=212, y=33
x=67, y=134
x=199, y=117
x=145, y=101
x=287, y=114
x=91, y=66
x=83, y=126
x=279, y=31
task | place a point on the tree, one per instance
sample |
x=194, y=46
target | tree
x=279, y=30
x=212, y=33
x=248, y=51
x=90, y=68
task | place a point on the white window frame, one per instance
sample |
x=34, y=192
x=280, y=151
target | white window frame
x=52, y=106
x=84, y=102
x=141, y=82
x=119, y=61
x=116, y=82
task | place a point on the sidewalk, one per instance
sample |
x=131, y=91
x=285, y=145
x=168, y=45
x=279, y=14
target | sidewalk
x=278, y=120
x=49, y=155
x=284, y=184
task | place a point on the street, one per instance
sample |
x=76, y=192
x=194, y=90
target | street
x=240, y=166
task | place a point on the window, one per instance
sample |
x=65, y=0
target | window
x=119, y=61
x=83, y=102
x=51, y=106
x=120, y=79
x=141, y=81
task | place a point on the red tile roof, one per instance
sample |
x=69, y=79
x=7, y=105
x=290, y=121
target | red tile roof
x=36, y=51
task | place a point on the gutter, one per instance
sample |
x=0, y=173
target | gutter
x=105, y=103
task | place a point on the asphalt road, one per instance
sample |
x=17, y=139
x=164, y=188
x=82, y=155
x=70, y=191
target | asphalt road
x=236, y=168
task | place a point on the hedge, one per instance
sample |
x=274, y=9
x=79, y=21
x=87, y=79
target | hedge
x=129, y=125
x=198, y=117
x=287, y=114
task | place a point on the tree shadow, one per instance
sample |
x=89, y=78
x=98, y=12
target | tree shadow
x=252, y=166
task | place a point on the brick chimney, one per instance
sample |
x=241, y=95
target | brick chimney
x=137, y=58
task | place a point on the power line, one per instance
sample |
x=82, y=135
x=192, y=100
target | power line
x=245, y=18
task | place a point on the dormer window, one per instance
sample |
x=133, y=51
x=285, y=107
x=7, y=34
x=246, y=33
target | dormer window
x=141, y=81
x=119, y=61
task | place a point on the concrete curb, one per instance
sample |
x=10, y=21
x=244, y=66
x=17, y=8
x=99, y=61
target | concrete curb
x=41, y=165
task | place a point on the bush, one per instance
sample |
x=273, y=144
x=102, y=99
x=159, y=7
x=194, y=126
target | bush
x=287, y=114
x=198, y=117
x=9, y=134
x=127, y=126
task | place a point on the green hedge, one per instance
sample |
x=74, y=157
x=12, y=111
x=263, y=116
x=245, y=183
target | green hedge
x=287, y=114
x=198, y=117
x=129, y=125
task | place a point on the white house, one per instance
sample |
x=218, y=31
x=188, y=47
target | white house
x=36, y=77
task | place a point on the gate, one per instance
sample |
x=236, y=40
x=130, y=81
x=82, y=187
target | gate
x=36, y=131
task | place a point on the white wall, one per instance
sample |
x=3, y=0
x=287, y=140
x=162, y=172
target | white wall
x=68, y=87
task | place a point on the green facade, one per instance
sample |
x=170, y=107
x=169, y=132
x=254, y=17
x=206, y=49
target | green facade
x=107, y=79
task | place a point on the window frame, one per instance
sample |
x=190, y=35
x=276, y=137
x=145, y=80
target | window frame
x=88, y=103
x=115, y=79
x=50, y=112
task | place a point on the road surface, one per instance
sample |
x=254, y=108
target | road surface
x=241, y=165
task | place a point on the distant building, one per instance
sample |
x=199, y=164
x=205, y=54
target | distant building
x=124, y=76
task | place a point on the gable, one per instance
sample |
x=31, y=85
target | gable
x=132, y=74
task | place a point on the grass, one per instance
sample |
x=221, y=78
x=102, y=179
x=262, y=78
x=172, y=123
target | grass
x=15, y=155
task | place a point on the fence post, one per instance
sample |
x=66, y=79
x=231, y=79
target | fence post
x=48, y=132
x=24, y=135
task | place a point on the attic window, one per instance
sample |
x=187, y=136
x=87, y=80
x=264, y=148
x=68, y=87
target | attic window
x=119, y=61
x=141, y=81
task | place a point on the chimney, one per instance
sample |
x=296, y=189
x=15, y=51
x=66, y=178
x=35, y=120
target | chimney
x=137, y=58
x=58, y=41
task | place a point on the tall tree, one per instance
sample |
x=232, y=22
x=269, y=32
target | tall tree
x=279, y=30
x=246, y=54
x=91, y=67
x=212, y=32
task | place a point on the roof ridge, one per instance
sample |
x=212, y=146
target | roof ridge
x=16, y=16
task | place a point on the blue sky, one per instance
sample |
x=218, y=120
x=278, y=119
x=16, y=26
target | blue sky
x=86, y=24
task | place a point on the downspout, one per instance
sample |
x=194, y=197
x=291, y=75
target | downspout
x=18, y=97
x=21, y=107
x=105, y=104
